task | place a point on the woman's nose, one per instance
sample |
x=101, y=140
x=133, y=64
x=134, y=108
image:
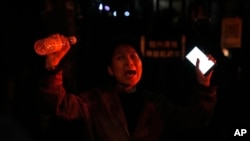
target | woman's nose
x=129, y=61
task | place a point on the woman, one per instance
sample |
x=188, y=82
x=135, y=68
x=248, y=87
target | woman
x=122, y=111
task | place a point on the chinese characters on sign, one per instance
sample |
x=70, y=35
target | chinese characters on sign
x=153, y=48
x=231, y=33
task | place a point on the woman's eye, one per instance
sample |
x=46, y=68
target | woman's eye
x=134, y=56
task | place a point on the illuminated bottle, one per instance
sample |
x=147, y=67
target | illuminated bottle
x=51, y=44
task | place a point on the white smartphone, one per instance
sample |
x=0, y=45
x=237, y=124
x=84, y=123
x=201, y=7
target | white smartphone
x=205, y=63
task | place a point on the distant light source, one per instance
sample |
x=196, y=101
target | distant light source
x=114, y=13
x=106, y=7
x=126, y=13
x=226, y=52
x=100, y=7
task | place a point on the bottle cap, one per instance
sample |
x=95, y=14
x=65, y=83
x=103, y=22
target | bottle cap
x=38, y=47
x=72, y=40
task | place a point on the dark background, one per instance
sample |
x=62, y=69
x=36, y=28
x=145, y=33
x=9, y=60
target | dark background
x=24, y=22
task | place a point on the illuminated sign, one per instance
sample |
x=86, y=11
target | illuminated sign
x=156, y=48
x=231, y=33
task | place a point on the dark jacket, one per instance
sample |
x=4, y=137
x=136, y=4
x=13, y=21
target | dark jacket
x=105, y=119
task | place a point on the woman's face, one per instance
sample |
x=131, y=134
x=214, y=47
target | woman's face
x=126, y=66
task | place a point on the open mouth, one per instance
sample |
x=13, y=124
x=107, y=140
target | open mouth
x=130, y=73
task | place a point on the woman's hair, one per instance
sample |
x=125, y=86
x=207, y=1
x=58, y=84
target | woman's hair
x=115, y=41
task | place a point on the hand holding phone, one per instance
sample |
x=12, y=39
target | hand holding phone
x=205, y=64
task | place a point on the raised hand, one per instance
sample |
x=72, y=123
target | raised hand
x=53, y=59
x=202, y=78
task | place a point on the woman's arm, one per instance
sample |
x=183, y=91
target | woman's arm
x=55, y=100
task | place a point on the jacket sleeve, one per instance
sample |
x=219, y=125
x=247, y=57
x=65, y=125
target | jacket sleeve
x=55, y=100
x=197, y=114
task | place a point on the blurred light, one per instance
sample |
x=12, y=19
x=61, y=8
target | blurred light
x=225, y=52
x=100, y=6
x=114, y=13
x=126, y=13
x=106, y=7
